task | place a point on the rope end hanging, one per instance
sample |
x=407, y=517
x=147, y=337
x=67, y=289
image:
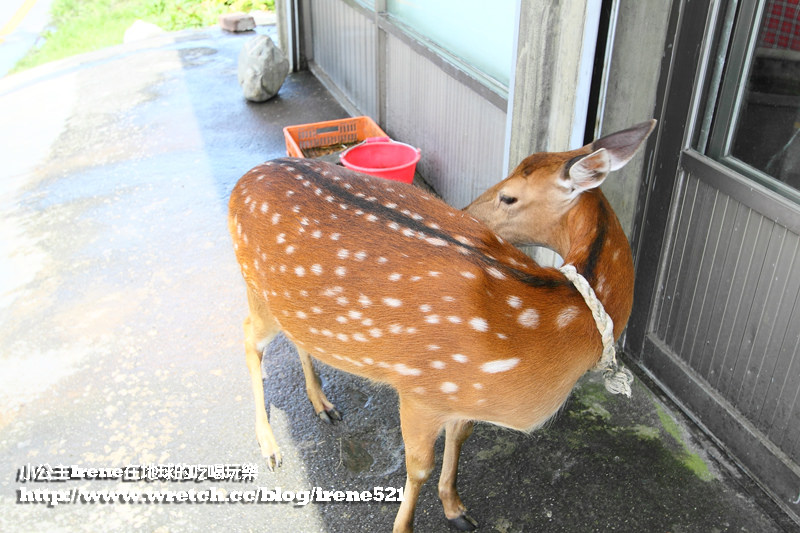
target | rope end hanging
x=618, y=381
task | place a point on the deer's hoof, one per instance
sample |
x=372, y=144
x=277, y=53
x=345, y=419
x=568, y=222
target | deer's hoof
x=463, y=522
x=330, y=415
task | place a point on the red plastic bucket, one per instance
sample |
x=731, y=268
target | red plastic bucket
x=383, y=157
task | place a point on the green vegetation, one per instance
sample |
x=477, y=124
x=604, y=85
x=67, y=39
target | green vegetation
x=692, y=461
x=79, y=26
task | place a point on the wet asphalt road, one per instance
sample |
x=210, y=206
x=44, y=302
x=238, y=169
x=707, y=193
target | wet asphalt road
x=121, y=343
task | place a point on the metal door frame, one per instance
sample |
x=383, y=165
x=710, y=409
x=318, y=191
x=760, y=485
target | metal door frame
x=698, y=35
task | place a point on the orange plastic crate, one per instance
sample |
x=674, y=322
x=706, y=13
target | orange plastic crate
x=317, y=134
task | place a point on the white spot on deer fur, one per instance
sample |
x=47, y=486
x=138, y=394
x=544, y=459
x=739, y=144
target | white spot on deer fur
x=360, y=256
x=395, y=276
x=340, y=271
x=332, y=291
x=393, y=225
x=566, y=315
x=360, y=337
x=316, y=234
x=264, y=207
x=300, y=271
x=434, y=274
x=434, y=225
x=341, y=319
x=615, y=255
x=419, y=390
x=341, y=300
x=316, y=310
x=368, y=360
x=478, y=386
x=316, y=268
x=390, y=205
x=301, y=314
x=290, y=249
x=367, y=322
x=433, y=347
x=342, y=337
x=364, y=300
x=247, y=200
x=438, y=365
x=355, y=315
x=499, y=365
x=396, y=329
x=601, y=284
x=529, y=318
x=432, y=319
x=495, y=273
x=479, y=324
x=343, y=254
x=375, y=332
x=400, y=368
x=448, y=387
x=468, y=275
x=335, y=236
x=460, y=358
x=392, y=302
x=409, y=232
x=371, y=218
x=436, y=241
x=514, y=301
x=425, y=308
x=454, y=319
x=463, y=240
x=382, y=260
x=314, y=331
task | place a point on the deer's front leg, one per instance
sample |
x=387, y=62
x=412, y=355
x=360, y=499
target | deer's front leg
x=456, y=432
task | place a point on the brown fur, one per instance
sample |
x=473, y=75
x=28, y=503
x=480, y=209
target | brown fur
x=379, y=279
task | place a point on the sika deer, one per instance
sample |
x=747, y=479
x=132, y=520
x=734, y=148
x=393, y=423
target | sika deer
x=379, y=279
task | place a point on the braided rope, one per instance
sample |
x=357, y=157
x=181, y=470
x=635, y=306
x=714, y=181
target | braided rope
x=617, y=379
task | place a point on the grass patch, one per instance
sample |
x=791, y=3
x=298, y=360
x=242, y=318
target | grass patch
x=79, y=26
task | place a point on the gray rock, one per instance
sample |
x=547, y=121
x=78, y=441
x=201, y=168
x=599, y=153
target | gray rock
x=262, y=68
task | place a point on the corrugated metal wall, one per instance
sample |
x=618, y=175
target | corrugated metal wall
x=730, y=308
x=345, y=42
x=461, y=134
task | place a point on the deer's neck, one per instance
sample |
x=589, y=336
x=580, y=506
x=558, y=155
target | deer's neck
x=599, y=250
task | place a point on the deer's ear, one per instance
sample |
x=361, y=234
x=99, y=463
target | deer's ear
x=622, y=145
x=589, y=171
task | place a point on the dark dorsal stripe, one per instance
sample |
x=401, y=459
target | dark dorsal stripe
x=337, y=189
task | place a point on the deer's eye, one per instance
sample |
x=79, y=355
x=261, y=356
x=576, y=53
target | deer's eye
x=508, y=200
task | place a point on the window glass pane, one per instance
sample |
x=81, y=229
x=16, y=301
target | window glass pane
x=478, y=32
x=767, y=134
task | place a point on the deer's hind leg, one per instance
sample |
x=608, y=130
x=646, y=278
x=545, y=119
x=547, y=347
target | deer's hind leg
x=324, y=408
x=260, y=327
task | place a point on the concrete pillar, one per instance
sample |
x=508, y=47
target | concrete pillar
x=631, y=88
x=543, y=95
x=543, y=92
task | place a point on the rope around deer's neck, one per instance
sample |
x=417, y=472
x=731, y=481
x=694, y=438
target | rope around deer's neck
x=617, y=379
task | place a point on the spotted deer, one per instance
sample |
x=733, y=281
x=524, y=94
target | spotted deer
x=382, y=280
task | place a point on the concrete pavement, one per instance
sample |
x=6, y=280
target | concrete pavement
x=121, y=340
